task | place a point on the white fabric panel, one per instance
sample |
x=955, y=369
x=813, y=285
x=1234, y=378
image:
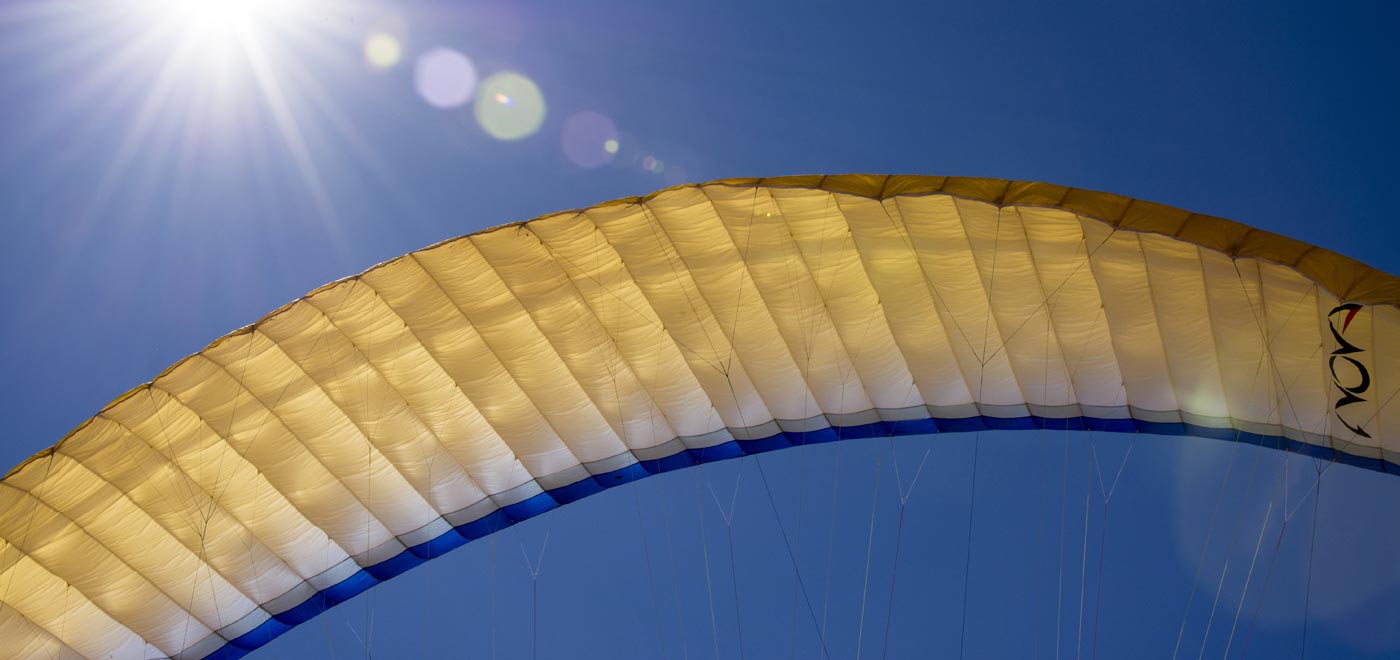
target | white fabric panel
x=1234, y=299
x=575, y=334
x=1014, y=300
x=1295, y=348
x=260, y=476
x=826, y=243
x=57, y=615
x=274, y=436
x=206, y=477
x=1176, y=283
x=494, y=408
x=759, y=232
x=395, y=443
x=598, y=274
x=1021, y=323
x=183, y=558
x=311, y=410
x=947, y=264
x=1059, y=252
x=1130, y=312
x=22, y=639
x=128, y=479
x=671, y=292
x=524, y=358
x=690, y=222
x=407, y=393
x=62, y=548
x=910, y=307
x=1385, y=384
x=526, y=351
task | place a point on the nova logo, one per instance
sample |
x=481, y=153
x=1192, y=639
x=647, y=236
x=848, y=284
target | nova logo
x=1348, y=374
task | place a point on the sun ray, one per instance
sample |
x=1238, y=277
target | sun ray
x=152, y=105
x=321, y=101
x=291, y=134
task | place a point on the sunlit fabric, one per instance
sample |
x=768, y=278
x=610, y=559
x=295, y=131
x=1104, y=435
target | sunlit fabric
x=384, y=419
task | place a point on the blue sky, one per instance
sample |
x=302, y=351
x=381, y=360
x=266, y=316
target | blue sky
x=145, y=214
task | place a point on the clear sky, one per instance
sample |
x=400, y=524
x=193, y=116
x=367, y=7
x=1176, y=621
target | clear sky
x=163, y=182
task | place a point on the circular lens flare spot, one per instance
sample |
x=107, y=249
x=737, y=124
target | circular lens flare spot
x=445, y=78
x=382, y=50
x=586, y=138
x=510, y=106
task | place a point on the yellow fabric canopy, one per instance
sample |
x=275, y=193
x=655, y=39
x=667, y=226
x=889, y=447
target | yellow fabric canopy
x=386, y=418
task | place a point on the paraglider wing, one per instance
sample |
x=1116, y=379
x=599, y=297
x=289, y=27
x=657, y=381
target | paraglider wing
x=384, y=419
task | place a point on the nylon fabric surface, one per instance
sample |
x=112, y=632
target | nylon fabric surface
x=384, y=419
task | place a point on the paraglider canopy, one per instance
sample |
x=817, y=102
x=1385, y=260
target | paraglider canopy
x=384, y=419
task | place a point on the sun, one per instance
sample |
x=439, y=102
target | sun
x=186, y=79
x=222, y=19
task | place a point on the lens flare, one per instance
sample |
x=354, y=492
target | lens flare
x=445, y=78
x=586, y=138
x=510, y=106
x=382, y=51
